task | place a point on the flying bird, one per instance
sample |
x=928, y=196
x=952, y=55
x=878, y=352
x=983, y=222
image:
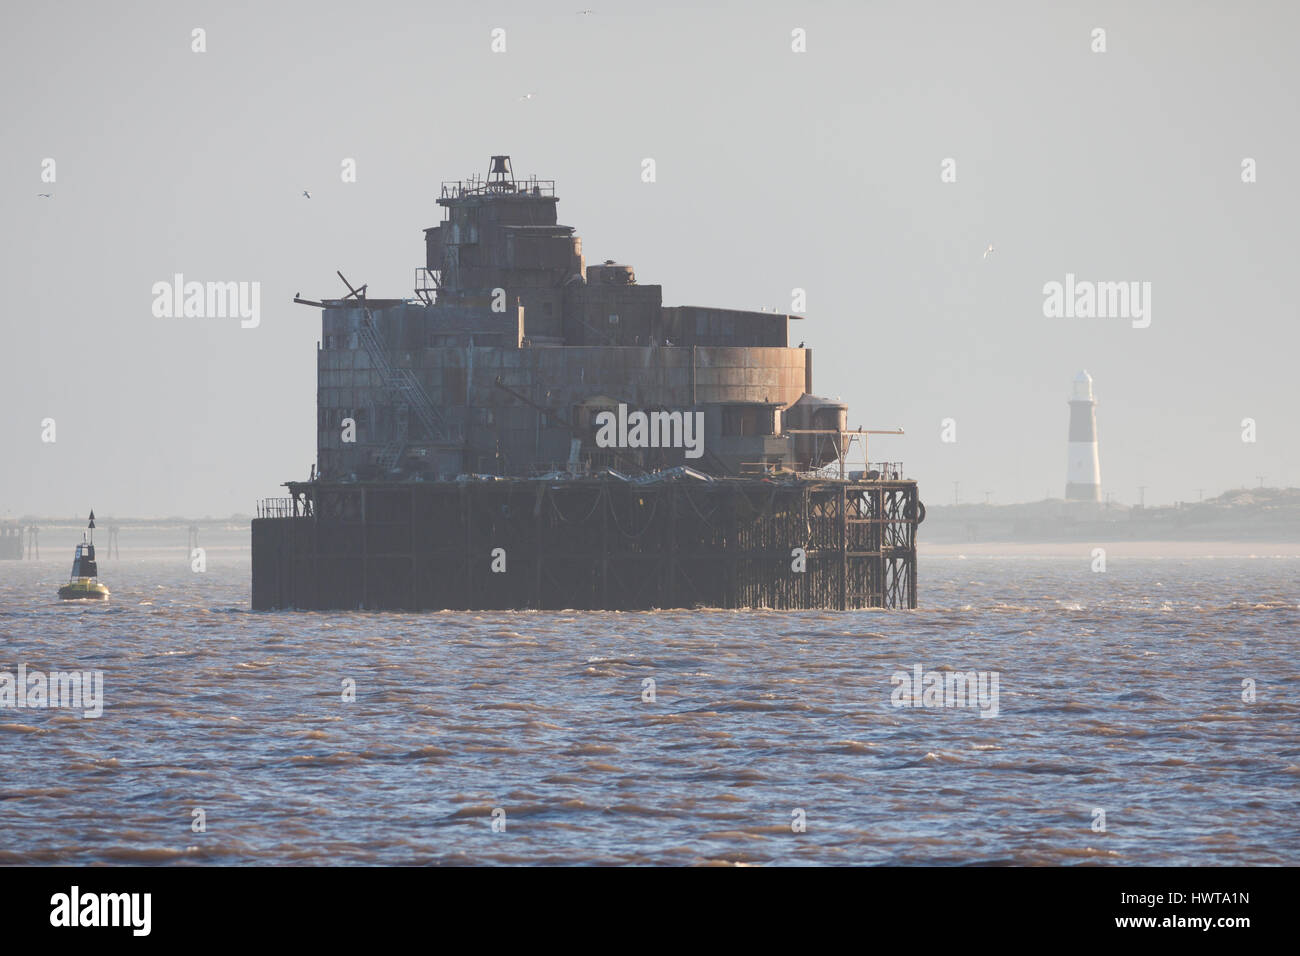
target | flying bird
x=527, y=96
x=989, y=251
x=306, y=193
x=45, y=195
x=583, y=13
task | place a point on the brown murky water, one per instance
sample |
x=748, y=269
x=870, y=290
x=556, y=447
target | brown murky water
x=1119, y=691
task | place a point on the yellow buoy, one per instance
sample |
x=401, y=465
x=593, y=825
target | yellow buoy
x=84, y=584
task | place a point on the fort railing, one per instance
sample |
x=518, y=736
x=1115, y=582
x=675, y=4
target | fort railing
x=462, y=188
x=275, y=508
x=885, y=470
x=874, y=471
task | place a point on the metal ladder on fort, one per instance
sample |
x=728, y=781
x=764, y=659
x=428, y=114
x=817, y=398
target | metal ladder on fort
x=391, y=454
x=407, y=388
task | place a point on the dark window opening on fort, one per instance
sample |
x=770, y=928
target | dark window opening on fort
x=748, y=420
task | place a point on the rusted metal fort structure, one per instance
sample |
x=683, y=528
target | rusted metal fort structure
x=465, y=458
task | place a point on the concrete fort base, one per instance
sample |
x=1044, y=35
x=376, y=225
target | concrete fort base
x=588, y=543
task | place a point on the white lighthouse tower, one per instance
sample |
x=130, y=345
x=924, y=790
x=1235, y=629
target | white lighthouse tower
x=1083, y=473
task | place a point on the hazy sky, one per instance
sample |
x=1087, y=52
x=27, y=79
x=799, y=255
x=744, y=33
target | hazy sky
x=776, y=170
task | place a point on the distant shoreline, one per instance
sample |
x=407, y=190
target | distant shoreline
x=1114, y=549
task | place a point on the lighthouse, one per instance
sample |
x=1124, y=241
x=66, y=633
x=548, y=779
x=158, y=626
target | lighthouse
x=1083, y=472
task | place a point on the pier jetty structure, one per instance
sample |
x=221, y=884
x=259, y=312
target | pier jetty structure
x=528, y=430
x=11, y=541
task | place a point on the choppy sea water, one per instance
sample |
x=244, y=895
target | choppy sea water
x=1120, y=692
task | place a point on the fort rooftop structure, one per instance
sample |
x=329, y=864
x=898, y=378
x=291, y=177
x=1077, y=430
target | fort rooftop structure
x=466, y=419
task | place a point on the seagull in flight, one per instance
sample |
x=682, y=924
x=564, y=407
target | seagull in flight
x=989, y=251
x=528, y=96
x=45, y=195
x=306, y=193
x=583, y=13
